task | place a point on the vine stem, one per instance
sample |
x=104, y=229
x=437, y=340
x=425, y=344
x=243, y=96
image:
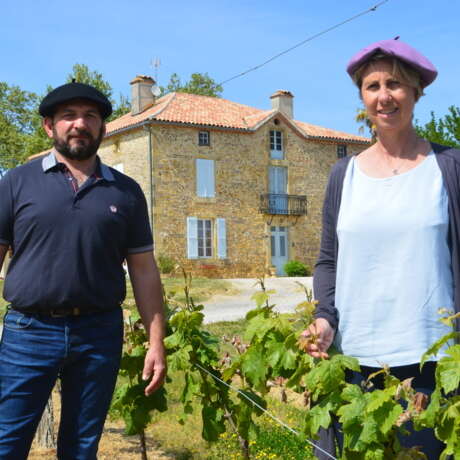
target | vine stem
x=244, y=443
x=143, y=445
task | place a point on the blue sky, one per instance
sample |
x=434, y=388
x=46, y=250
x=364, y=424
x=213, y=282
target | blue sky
x=42, y=39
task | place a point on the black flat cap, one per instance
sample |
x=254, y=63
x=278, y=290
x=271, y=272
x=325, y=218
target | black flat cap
x=71, y=91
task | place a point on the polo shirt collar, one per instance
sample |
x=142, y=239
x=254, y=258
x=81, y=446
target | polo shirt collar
x=50, y=161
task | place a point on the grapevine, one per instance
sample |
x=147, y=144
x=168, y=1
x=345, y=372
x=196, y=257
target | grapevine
x=271, y=353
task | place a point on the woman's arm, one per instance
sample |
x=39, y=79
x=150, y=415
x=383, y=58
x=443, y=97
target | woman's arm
x=326, y=322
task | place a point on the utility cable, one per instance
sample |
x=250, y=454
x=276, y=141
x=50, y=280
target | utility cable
x=369, y=10
x=276, y=419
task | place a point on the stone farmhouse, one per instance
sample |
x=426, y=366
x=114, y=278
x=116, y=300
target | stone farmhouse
x=232, y=190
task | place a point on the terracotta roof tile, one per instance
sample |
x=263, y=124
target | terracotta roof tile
x=127, y=120
x=326, y=133
x=192, y=109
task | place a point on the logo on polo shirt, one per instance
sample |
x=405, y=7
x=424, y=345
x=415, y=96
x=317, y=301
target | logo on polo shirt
x=113, y=208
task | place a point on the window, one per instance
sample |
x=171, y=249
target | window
x=203, y=138
x=341, y=151
x=277, y=187
x=204, y=236
x=205, y=178
x=276, y=145
x=277, y=179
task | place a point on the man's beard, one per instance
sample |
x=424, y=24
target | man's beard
x=80, y=151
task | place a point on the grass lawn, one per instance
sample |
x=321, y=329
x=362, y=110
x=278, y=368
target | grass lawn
x=202, y=288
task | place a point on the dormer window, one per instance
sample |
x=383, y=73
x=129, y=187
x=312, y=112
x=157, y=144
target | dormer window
x=204, y=138
x=341, y=151
x=276, y=145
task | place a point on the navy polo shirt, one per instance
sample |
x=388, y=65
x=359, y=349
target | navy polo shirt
x=68, y=247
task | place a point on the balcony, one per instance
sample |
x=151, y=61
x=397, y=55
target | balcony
x=282, y=204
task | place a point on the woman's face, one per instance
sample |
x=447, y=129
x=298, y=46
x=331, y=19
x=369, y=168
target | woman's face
x=389, y=102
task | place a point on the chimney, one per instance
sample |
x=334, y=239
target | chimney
x=141, y=93
x=282, y=101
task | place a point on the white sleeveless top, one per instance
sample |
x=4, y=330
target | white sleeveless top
x=394, y=265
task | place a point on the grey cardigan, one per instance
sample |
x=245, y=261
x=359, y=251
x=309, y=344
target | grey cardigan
x=325, y=269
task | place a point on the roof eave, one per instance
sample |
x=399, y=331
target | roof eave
x=176, y=123
x=341, y=139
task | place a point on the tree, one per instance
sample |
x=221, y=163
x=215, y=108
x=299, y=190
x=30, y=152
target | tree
x=82, y=74
x=199, y=83
x=18, y=123
x=362, y=118
x=444, y=130
x=122, y=107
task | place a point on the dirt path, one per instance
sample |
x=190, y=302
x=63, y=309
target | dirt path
x=229, y=308
x=113, y=445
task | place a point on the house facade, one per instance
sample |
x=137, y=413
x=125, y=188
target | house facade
x=232, y=191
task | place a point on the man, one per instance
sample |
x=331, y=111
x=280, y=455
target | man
x=71, y=221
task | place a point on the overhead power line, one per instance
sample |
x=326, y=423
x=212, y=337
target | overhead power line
x=309, y=39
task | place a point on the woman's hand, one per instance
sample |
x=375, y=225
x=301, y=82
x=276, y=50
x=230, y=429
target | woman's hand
x=320, y=335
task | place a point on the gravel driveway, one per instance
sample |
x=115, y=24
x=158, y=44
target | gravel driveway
x=230, y=308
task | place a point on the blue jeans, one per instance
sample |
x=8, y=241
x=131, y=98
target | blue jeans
x=84, y=352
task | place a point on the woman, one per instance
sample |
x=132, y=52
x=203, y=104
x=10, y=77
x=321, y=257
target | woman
x=389, y=256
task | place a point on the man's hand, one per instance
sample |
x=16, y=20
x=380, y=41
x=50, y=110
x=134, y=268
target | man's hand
x=155, y=367
x=321, y=334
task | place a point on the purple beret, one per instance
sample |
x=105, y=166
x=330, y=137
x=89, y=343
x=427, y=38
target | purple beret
x=71, y=91
x=400, y=50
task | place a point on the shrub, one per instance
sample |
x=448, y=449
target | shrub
x=165, y=264
x=296, y=268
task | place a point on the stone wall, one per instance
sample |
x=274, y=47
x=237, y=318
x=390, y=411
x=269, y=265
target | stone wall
x=241, y=176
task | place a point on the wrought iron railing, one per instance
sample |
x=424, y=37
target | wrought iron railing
x=278, y=203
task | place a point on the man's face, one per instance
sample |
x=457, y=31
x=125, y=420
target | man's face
x=77, y=129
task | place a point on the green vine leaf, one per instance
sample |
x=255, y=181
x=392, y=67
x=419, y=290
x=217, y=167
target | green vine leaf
x=448, y=428
x=258, y=327
x=174, y=340
x=448, y=369
x=434, y=349
x=253, y=398
x=254, y=367
x=180, y=359
x=261, y=297
x=213, y=423
x=387, y=415
x=377, y=399
x=319, y=416
x=274, y=353
x=351, y=413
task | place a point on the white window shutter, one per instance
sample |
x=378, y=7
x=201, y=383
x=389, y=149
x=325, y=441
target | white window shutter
x=205, y=178
x=211, y=191
x=272, y=186
x=221, y=239
x=192, y=237
x=283, y=180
